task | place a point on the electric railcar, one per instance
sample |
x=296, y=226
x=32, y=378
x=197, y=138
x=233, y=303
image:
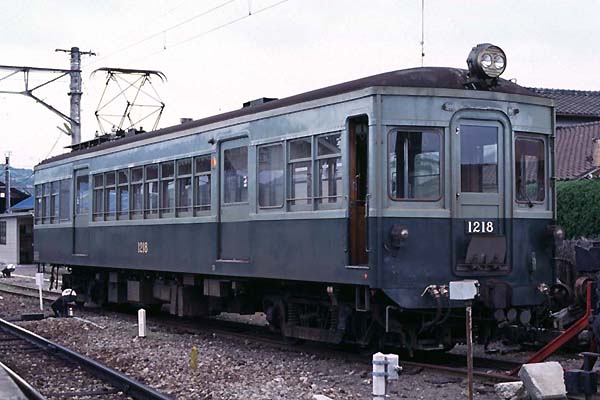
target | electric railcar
x=342, y=213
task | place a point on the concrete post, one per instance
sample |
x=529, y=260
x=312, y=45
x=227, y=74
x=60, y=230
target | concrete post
x=379, y=374
x=141, y=322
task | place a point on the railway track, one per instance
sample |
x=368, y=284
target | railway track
x=57, y=372
x=487, y=369
x=27, y=291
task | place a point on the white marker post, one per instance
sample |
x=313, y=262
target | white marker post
x=466, y=291
x=141, y=322
x=39, y=281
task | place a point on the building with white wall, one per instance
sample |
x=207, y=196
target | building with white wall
x=16, y=234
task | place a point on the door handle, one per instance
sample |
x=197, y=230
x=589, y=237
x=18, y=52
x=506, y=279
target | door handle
x=457, y=195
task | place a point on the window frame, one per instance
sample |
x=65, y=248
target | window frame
x=151, y=213
x=201, y=210
x=184, y=210
x=318, y=203
x=531, y=138
x=307, y=202
x=283, y=170
x=64, y=188
x=110, y=215
x=164, y=212
x=442, y=162
x=98, y=216
x=135, y=213
x=123, y=214
x=223, y=182
x=37, y=210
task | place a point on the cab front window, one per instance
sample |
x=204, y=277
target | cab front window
x=529, y=170
x=414, y=165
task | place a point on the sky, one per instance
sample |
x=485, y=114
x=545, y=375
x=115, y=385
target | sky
x=217, y=54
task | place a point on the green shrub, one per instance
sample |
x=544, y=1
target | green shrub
x=578, y=205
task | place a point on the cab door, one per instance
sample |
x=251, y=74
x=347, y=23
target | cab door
x=479, y=210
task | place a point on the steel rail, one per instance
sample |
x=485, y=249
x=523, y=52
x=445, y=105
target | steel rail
x=122, y=382
x=25, y=387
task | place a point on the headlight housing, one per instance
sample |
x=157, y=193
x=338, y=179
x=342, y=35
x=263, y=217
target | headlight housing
x=486, y=61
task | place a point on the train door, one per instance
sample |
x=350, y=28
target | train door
x=358, y=132
x=479, y=195
x=81, y=212
x=233, y=203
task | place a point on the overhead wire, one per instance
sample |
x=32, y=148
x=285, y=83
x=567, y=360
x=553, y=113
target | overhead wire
x=162, y=32
x=224, y=25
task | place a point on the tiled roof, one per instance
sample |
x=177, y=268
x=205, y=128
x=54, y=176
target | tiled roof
x=574, y=144
x=573, y=102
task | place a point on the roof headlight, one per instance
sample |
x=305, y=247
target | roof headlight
x=499, y=62
x=486, y=61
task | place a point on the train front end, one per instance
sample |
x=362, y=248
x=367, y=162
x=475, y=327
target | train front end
x=469, y=195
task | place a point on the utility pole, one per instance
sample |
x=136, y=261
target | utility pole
x=7, y=181
x=75, y=91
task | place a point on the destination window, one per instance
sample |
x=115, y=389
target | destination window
x=414, y=165
x=530, y=170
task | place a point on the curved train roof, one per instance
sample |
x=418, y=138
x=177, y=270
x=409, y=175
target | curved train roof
x=424, y=77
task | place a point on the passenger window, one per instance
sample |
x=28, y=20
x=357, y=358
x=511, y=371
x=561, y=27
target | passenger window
x=98, y=208
x=38, y=204
x=329, y=160
x=530, y=170
x=270, y=176
x=54, y=202
x=137, y=192
x=414, y=165
x=184, y=187
x=151, y=191
x=167, y=188
x=65, y=199
x=300, y=172
x=110, y=195
x=479, y=159
x=236, y=175
x=202, y=183
x=123, y=193
x=46, y=203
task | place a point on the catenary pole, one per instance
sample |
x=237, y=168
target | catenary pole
x=75, y=91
